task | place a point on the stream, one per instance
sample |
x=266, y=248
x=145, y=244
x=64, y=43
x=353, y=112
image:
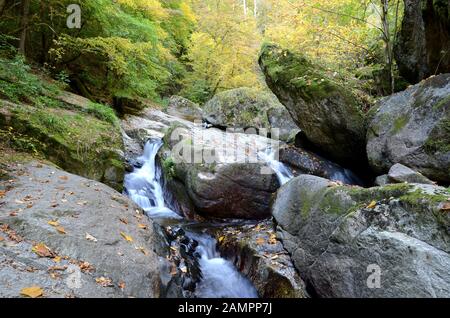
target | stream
x=220, y=278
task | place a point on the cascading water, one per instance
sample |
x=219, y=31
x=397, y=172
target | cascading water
x=220, y=278
x=283, y=173
x=143, y=185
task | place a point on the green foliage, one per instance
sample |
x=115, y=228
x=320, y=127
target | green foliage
x=20, y=141
x=169, y=168
x=102, y=112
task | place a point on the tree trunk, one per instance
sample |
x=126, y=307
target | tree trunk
x=245, y=7
x=24, y=25
x=2, y=6
x=255, y=8
x=389, y=45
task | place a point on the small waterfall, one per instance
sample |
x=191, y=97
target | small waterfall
x=282, y=171
x=220, y=278
x=143, y=185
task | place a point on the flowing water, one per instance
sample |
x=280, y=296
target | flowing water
x=283, y=173
x=220, y=277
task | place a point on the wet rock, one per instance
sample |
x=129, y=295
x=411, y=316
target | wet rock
x=226, y=180
x=326, y=112
x=412, y=128
x=338, y=236
x=305, y=162
x=86, y=232
x=260, y=257
x=400, y=173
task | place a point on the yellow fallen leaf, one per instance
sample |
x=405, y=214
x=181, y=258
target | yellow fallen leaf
x=372, y=205
x=57, y=259
x=142, y=226
x=221, y=239
x=32, y=292
x=53, y=223
x=126, y=237
x=260, y=241
x=61, y=230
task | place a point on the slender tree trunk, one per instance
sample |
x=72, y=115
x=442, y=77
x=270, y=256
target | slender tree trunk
x=389, y=46
x=24, y=25
x=245, y=7
x=2, y=6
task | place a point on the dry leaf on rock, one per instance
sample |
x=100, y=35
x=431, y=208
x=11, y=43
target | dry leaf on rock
x=372, y=205
x=32, y=292
x=43, y=250
x=89, y=237
x=126, y=237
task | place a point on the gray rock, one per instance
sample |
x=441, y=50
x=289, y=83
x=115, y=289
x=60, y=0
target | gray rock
x=400, y=173
x=250, y=108
x=326, y=112
x=422, y=45
x=413, y=128
x=337, y=238
x=222, y=175
x=262, y=258
x=183, y=108
x=382, y=180
x=82, y=207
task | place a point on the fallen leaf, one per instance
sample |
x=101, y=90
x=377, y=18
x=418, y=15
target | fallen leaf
x=32, y=292
x=122, y=285
x=89, y=237
x=2, y=193
x=43, y=250
x=61, y=230
x=143, y=250
x=273, y=239
x=64, y=178
x=86, y=267
x=174, y=270
x=126, y=237
x=221, y=239
x=57, y=259
x=53, y=223
x=1, y=239
x=124, y=221
x=104, y=282
x=372, y=205
x=446, y=207
x=260, y=241
x=13, y=213
x=142, y=226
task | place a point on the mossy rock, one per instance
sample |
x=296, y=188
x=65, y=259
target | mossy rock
x=326, y=111
x=76, y=141
x=413, y=128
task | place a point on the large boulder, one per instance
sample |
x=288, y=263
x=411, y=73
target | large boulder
x=221, y=172
x=423, y=44
x=249, y=108
x=390, y=241
x=327, y=112
x=413, y=128
x=78, y=238
x=400, y=173
x=81, y=141
x=182, y=107
x=254, y=249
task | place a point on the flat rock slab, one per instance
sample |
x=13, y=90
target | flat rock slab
x=97, y=244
